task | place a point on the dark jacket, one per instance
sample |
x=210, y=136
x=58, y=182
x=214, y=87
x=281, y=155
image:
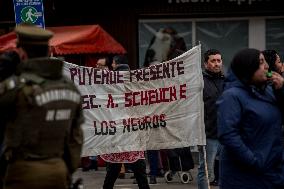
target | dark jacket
x=279, y=93
x=8, y=63
x=122, y=67
x=249, y=129
x=43, y=125
x=213, y=88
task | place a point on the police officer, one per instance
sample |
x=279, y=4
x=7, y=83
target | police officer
x=43, y=137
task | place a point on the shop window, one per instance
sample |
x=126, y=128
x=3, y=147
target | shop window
x=226, y=36
x=275, y=35
x=148, y=30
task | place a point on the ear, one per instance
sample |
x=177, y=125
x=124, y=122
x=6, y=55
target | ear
x=205, y=65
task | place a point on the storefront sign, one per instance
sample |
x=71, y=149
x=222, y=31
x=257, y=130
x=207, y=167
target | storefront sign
x=29, y=11
x=239, y=2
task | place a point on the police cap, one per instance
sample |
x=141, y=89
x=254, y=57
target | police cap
x=33, y=35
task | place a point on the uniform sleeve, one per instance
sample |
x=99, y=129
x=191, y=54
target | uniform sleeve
x=7, y=104
x=7, y=96
x=229, y=122
x=74, y=142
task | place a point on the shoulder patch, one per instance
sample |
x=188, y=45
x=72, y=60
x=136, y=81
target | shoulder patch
x=33, y=78
x=11, y=83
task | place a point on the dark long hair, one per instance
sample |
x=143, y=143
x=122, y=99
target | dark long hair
x=270, y=57
x=245, y=63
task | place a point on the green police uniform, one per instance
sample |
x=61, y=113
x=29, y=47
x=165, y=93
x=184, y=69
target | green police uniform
x=43, y=137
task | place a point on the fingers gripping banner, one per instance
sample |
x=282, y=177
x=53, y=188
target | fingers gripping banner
x=158, y=107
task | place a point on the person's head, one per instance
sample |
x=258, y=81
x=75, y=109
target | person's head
x=213, y=61
x=33, y=40
x=118, y=60
x=273, y=60
x=250, y=67
x=103, y=63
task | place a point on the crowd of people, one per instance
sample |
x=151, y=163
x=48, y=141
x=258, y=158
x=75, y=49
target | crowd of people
x=243, y=119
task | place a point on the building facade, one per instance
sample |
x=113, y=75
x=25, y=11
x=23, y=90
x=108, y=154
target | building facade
x=227, y=25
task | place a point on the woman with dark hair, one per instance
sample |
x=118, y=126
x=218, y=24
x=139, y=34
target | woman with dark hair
x=273, y=60
x=249, y=126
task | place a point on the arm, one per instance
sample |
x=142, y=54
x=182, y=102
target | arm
x=7, y=111
x=74, y=142
x=7, y=105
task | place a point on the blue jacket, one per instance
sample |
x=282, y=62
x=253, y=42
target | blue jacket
x=249, y=129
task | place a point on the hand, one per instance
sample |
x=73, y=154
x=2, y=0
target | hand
x=277, y=80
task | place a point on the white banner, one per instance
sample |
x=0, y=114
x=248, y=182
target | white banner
x=158, y=107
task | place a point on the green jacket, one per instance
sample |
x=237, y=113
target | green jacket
x=43, y=114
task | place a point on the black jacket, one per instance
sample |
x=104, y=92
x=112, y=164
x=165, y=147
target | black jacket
x=213, y=88
x=122, y=67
